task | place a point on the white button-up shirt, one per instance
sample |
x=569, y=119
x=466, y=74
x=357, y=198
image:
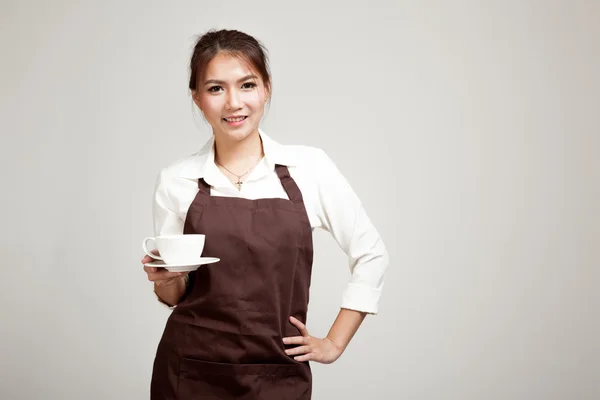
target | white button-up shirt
x=330, y=202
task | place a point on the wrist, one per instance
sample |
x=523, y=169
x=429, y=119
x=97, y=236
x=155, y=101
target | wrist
x=336, y=343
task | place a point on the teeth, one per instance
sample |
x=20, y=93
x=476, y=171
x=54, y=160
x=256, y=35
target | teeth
x=235, y=119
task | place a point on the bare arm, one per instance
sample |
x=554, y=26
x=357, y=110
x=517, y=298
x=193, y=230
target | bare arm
x=345, y=326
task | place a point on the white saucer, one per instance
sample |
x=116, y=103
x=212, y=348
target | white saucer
x=183, y=267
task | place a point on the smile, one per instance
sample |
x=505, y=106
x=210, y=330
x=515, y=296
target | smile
x=235, y=119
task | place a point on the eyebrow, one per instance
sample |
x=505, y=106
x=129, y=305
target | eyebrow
x=218, y=82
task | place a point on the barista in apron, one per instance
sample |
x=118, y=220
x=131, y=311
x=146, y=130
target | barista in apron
x=237, y=331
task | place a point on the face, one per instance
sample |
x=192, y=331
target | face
x=232, y=97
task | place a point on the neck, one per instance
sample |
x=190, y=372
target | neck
x=238, y=155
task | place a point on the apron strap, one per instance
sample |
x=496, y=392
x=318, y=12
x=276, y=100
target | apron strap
x=203, y=186
x=289, y=185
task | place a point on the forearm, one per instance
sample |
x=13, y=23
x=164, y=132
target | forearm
x=171, y=292
x=345, y=326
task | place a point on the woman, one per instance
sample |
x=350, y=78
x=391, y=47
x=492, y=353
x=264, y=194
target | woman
x=237, y=327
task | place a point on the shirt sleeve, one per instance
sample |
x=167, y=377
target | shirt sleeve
x=166, y=220
x=342, y=214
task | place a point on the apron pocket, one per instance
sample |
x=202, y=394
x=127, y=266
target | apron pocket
x=211, y=380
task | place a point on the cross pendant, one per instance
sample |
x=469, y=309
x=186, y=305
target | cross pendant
x=239, y=184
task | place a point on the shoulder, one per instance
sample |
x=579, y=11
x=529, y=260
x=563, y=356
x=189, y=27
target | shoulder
x=187, y=167
x=308, y=158
x=190, y=166
x=314, y=169
x=297, y=156
x=175, y=181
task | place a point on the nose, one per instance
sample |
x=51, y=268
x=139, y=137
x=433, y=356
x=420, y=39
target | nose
x=233, y=100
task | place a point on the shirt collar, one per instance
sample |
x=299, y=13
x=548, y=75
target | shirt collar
x=202, y=164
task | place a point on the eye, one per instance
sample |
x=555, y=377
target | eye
x=215, y=89
x=249, y=85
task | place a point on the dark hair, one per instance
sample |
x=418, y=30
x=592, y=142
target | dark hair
x=232, y=42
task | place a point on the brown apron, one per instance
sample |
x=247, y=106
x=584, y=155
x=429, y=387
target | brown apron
x=224, y=339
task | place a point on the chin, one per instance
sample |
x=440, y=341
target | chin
x=238, y=134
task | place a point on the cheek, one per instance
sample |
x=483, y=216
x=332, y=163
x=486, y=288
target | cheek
x=254, y=101
x=211, y=106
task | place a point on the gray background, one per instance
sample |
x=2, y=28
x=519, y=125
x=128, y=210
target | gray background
x=470, y=130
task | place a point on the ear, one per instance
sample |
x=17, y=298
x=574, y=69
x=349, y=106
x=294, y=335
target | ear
x=196, y=98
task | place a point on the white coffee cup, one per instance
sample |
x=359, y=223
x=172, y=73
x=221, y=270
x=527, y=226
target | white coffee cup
x=177, y=249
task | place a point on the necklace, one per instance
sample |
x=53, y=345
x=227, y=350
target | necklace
x=239, y=177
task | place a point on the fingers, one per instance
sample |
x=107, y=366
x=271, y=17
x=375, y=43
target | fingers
x=310, y=348
x=298, y=350
x=301, y=327
x=295, y=340
x=148, y=259
x=305, y=357
x=171, y=280
x=301, y=353
x=150, y=269
x=159, y=274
